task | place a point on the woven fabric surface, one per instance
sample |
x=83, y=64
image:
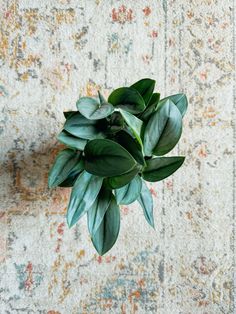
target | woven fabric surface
x=51, y=53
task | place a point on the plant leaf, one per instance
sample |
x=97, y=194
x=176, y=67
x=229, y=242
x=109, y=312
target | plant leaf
x=160, y=168
x=130, y=192
x=71, y=141
x=73, y=175
x=96, y=213
x=115, y=123
x=82, y=127
x=180, y=100
x=107, y=233
x=64, y=163
x=146, y=201
x=67, y=114
x=131, y=145
x=107, y=158
x=145, y=88
x=92, y=109
x=117, y=182
x=145, y=115
x=69, y=181
x=128, y=99
x=134, y=124
x=83, y=195
x=102, y=100
x=163, y=130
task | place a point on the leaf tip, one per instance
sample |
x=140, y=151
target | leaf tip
x=50, y=183
x=70, y=223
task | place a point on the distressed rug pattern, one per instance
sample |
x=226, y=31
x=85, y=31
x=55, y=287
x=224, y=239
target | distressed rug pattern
x=53, y=52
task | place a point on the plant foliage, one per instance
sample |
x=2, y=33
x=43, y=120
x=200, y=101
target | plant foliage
x=112, y=147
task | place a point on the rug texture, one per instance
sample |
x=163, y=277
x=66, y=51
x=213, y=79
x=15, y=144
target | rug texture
x=51, y=53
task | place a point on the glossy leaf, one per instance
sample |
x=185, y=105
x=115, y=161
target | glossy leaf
x=107, y=158
x=145, y=88
x=131, y=145
x=130, y=192
x=73, y=175
x=160, y=168
x=107, y=233
x=117, y=182
x=82, y=127
x=64, y=163
x=163, y=130
x=83, y=195
x=128, y=99
x=92, y=109
x=71, y=141
x=97, y=211
x=134, y=124
x=180, y=100
x=145, y=115
x=146, y=201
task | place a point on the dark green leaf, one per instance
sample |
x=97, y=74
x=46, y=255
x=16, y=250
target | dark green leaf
x=107, y=233
x=134, y=124
x=69, y=181
x=83, y=195
x=107, y=158
x=96, y=213
x=73, y=175
x=128, y=99
x=71, y=141
x=131, y=145
x=117, y=182
x=145, y=88
x=163, y=130
x=130, y=192
x=145, y=115
x=160, y=168
x=64, y=163
x=115, y=123
x=146, y=201
x=92, y=109
x=82, y=127
x=180, y=100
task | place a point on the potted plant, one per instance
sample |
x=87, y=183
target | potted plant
x=113, y=147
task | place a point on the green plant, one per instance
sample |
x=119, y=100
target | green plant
x=113, y=147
